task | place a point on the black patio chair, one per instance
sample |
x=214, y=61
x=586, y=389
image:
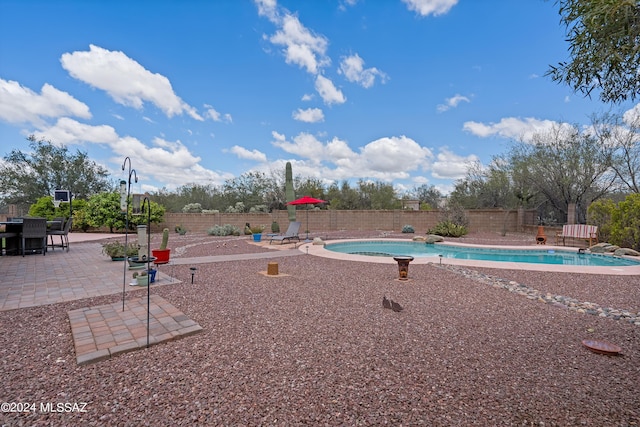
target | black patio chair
x=64, y=235
x=34, y=229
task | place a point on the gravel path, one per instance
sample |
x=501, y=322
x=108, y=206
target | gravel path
x=317, y=348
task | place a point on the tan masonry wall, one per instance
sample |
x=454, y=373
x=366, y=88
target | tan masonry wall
x=495, y=220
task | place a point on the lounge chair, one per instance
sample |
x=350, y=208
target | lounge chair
x=289, y=235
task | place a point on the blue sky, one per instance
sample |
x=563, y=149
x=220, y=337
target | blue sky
x=403, y=91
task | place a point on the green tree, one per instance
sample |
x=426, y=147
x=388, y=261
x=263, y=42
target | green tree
x=377, y=195
x=249, y=188
x=342, y=196
x=312, y=187
x=103, y=210
x=563, y=166
x=25, y=177
x=428, y=195
x=44, y=208
x=493, y=186
x=604, y=48
x=622, y=134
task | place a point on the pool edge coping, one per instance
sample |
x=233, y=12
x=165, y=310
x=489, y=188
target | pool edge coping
x=320, y=251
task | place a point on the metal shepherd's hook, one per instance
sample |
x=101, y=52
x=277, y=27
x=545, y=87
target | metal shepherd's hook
x=125, y=193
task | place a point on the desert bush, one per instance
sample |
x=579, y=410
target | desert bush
x=448, y=229
x=192, y=208
x=223, y=230
x=600, y=213
x=621, y=221
x=408, y=229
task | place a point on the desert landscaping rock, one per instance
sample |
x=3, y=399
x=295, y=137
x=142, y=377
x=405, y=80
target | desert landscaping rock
x=482, y=347
x=626, y=251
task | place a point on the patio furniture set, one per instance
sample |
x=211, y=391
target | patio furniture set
x=30, y=235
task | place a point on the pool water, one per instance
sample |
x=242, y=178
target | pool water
x=421, y=249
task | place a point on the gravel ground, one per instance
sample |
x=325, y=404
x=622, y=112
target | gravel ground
x=317, y=348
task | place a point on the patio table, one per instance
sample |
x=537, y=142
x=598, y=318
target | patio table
x=11, y=234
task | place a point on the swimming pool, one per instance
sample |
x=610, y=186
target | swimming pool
x=385, y=248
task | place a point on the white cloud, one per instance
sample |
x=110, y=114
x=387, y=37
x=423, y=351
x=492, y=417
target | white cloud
x=451, y=166
x=19, y=104
x=125, y=80
x=353, y=69
x=243, y=153
x=329, y=93
x=430, y=7
x=268, y=8
x=395, y=154
x=344, y=4
x=301, y=46
x=303, y=145
x=69, y=131
x=510, y=127
x=632, y=116
x=385, y=159
x=169, y=162
x=452, y=102
x=310, y=115
x=214, y=115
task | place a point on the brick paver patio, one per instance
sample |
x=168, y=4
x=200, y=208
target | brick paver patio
x=97, y=332
x=104, y=331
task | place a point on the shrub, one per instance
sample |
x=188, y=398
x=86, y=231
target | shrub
x=116, y=249
x=223, y=230
x=408, y=229
x=600, y=213
x=257, y=229
x=624, y=223
x=259, y=208
x=238, y=208
x=192, y=208
x=454, y=213
x=448, y=229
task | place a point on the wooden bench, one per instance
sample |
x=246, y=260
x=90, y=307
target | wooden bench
x=578, y=231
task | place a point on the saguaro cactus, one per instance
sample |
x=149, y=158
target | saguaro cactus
x=165, y=239
x=288, y=189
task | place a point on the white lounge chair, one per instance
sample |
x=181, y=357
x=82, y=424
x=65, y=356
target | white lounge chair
x=289, y=235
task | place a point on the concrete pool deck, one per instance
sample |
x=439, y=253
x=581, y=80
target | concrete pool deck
x=319, y=250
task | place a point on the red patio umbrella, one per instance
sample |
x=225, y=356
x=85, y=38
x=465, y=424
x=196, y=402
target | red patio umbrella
x=306, y=200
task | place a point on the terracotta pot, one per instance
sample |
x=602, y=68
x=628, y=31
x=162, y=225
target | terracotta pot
x=541, y=239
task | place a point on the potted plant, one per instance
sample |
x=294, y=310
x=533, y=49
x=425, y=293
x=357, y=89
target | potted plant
x=142, y=278
x=117, y=251
x=137, y=265
x=181, y=230
x=256, y=231
x=162, y=255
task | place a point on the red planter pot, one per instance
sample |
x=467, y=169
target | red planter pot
x=161, y=255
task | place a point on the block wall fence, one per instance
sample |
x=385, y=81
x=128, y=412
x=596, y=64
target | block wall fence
x=494, y=220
